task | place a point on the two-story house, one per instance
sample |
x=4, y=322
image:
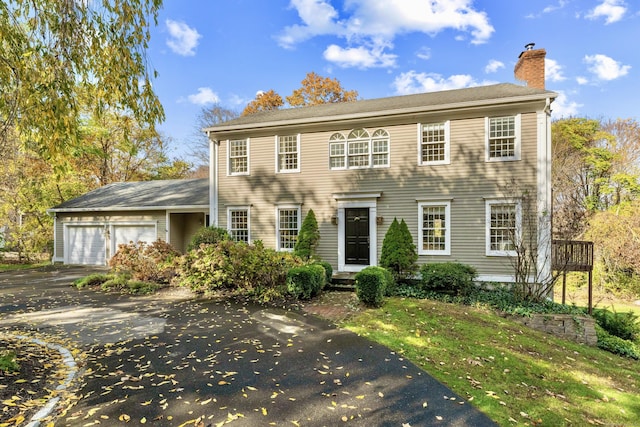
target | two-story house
x=442, y=161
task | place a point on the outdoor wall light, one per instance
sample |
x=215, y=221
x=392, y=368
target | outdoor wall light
x=379, y=220
x=334, y=220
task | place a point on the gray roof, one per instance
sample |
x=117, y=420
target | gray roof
x=143, y=195
x=396, y=105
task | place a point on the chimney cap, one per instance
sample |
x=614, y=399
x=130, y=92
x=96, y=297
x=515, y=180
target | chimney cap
x=529, y=46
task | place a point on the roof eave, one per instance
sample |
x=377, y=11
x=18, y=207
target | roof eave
x=468, y=105
x=128, y=208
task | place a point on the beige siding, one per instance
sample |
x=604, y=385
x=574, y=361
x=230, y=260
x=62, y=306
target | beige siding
x=467, y=181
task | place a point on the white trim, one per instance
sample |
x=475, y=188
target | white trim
x=130, y=208
x=498, y=278
x=355, y=200
x=248, y=171
x=277, y=154
x=544, y=195
x=518, y=231
x=447, y=144
x=246, y=208
x=517, y=143
x=447, y=228
x=214, y=154
x=296, y=206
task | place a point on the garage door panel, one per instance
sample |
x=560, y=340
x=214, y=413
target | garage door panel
x=86, y=245
x=123, y=234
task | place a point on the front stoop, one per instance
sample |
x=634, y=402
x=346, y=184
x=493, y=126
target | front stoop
x=342, y=281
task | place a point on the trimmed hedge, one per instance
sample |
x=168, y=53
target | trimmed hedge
x=306, y=281
x=371, y=283
x=327, y=269
x=448, y=277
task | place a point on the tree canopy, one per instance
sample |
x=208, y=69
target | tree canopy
x=58, y=57
x=264, y=101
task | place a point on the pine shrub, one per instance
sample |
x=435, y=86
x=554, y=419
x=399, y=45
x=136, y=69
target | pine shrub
x=398, y=253
x=622, y=325
x=308, y=237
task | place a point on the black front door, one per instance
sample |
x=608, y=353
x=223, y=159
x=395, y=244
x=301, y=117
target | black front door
x=357, y=236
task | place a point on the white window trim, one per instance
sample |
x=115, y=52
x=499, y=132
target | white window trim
x=518, y=141
x=447, y=225
x=277, y=144
x=278, y=208
x=248, y=172
x=369, y=140
x=447, y=144
x=240, y=208
x=518, y=231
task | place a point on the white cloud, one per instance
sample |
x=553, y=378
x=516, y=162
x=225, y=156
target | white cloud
x=374, y=23
x=360, y=57
x=562, y=107
x=414, y=82
x=606, y=68
x=183, y=39
x=582, y=80
x=493, y=66
x=553, y=70
x=612, y=10
x=424, y=53
x=204, y=96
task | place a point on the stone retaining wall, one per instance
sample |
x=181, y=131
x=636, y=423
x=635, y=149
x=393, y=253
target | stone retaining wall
x=574, y=328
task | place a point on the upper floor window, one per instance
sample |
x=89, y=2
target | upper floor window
x=504, y=219
x=288, y=153
x=288, y=225
x=503, y=138
x=434, y=143
x=238, y=156
x=434, y=232
x=359, y=149
x=238, y=223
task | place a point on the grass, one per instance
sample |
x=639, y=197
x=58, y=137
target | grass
x=21, y=266
x=8, y=362
x=515, y=375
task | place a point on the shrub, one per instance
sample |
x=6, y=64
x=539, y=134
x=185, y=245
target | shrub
x=306, y=281
x=92, y=280
x=155, y=262
x=448, y=277
x=8, y=362
x=117, y=283
x=137, y=287
x=370, y=285
x=616, y=345
x=398, y=253
x=328, y=270
x=308, y=237
x=208, y=236
x=622, y=325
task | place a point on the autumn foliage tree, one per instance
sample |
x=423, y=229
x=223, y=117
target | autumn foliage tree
x=264, y=101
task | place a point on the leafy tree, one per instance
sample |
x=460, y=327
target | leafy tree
x=320, y=90
x=308, y=236
x=398, y=253
x=264, y=101
x=208, y=116
x=57, y=56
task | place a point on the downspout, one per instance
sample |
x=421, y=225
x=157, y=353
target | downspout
x=213, y=181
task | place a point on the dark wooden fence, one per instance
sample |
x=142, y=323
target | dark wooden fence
x=573, y=255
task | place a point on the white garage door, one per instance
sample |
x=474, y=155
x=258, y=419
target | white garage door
x=85, y=245
x=123, y=234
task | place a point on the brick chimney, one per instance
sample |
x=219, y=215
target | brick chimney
x=530, y=66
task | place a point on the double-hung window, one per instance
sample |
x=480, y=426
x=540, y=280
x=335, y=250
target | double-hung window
x=288, y=153
x=288, y=225
x=238, y=223
x=434, y=228
x=504, y=218
x=434, y=143
x=238, y=156
x=502, y=138
x=359, y=149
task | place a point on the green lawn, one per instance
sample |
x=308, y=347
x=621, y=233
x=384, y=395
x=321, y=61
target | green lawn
x=14, y=266
x=515, y=375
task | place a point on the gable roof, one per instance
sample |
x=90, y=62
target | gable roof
x=397, y=105
x=142, y=195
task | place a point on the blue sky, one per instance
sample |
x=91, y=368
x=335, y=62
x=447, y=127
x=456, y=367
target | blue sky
x=226, y=51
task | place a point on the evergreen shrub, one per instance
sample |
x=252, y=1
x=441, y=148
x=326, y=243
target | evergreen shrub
x=308, y=237
x=370, y=285
x=622, y=325
x=208, y=236
x=448, y=277
x=398, y=253
x=306, y=281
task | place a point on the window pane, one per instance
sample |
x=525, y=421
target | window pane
x=288, y=152
x=434, y=228
x=502, y=227
x=336, y=153
x=502, y=137
x=239, y=225
x=380, y=152
x=433, y=142
x=359, y=154
x=238, y=158
x=288, y=227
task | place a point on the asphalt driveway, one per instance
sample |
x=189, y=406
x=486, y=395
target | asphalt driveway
x=170, y=359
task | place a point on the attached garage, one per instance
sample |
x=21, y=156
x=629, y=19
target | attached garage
x=88, y=229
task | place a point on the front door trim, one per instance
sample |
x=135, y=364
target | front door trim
x=357, y=200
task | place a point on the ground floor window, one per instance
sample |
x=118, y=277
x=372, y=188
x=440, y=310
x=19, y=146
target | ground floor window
x=503, y=227
x=288, y=225
x=238, y=224
x=434, y=228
